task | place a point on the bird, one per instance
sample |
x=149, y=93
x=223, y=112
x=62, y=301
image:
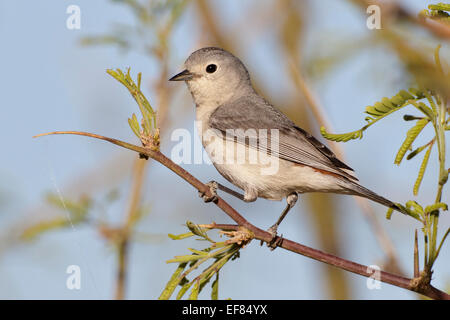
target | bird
x=231, y=115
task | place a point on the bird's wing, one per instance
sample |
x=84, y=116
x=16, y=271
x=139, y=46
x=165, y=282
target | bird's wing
x=294, y=144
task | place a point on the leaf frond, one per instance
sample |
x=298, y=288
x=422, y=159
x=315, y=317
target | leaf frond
x=377, y=112
x=411, y=136
x=422, y=169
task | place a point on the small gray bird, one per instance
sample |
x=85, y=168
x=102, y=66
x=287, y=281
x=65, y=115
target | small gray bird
x=230, y=113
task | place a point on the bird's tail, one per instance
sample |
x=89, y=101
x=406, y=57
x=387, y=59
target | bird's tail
x=366, y=193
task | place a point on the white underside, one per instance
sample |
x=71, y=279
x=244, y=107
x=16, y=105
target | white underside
x=268, y=177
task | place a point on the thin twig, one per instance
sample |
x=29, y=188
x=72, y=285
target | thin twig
x=416, y=255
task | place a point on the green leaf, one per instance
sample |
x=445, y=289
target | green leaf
x=405, y=95
x=139, y=76
x=439, y=6
x=195, y=291
x=341, y=137
x=417, y=93
x=415, y=152
x=377, y=112
x=184, y=289
x=134, y=125
x=77, y=213
x=411, y=135
x=425, y=109
x=218, y=254
x=185, y=258
x=437, y=59
x=199, y=252
x=215, y=288
x=197, y=230
x=436, y=206
x=44, y=226
x=408, y=211
x=148, y=114
x=416, y=207
x=172, y=283
x=389, y=213
x=180, y=236
x=422, y=169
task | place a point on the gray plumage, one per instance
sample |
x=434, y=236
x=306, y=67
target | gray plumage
x=295, y=144
x=225, y=101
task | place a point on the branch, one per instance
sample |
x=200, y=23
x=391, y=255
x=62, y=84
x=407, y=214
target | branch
x=419, y=285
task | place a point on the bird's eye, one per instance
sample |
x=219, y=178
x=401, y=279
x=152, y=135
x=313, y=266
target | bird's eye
x=211, y=68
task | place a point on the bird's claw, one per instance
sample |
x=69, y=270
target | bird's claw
x=213, y=189
x=276, y=240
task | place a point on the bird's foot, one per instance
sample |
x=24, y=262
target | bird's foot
x=213, y=189
x=276, y=240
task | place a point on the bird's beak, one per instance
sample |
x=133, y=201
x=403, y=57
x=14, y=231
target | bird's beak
x=182, y=76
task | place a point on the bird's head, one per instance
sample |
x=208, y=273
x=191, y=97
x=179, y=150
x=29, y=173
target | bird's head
x=214, y=76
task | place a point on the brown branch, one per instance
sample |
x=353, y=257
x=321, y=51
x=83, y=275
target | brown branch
x=415, y=284
x=122, y=258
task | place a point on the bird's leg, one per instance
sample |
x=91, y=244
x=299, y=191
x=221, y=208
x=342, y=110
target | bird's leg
x=232, y=192
x=291, y=199
x=213, y=186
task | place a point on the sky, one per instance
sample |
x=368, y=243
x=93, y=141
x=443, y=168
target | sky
x=50, y=82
